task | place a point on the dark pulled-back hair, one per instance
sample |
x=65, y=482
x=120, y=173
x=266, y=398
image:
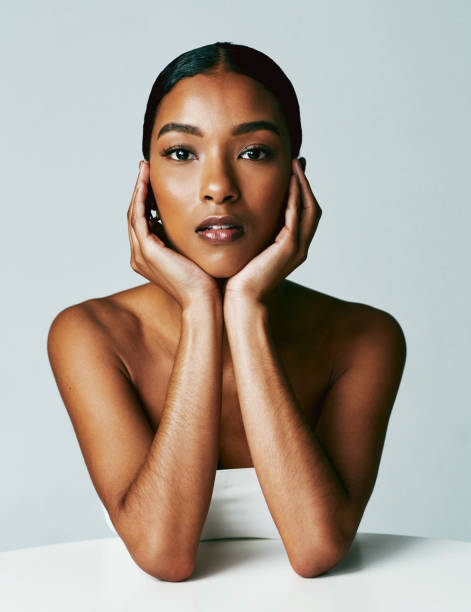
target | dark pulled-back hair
x=234, y=58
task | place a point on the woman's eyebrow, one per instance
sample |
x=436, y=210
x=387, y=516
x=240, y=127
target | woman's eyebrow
x=242, y=128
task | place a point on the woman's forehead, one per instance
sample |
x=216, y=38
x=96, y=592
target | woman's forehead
x=221, y=99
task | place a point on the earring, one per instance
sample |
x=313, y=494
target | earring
x=155, y=214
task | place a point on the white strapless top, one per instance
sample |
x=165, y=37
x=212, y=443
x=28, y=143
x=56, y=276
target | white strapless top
x=237, y=510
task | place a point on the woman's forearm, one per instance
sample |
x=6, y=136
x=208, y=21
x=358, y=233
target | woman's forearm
x=303, y=493
x=169, y=499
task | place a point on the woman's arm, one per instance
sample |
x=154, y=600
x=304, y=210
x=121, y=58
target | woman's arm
x=156, y=488
x=316, y=492
x=169, y=499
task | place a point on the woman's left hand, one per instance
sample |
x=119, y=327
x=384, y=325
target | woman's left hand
x=265, y=271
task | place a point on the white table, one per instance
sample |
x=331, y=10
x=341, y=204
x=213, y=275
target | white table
x=380, y=573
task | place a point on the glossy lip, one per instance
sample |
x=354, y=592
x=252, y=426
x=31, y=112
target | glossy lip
x=221, y=236
x=222, y=220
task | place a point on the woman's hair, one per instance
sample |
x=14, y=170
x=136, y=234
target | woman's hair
x=234, y=58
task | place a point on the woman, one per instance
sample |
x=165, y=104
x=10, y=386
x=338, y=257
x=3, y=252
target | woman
x=218, y=361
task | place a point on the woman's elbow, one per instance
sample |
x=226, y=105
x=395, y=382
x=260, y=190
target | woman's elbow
x=165, y=567
x=318, y=564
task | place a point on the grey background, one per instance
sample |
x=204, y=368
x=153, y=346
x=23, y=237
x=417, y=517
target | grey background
x=385, y=110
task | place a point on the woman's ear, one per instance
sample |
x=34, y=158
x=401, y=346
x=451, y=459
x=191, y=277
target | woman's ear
x=302, y=161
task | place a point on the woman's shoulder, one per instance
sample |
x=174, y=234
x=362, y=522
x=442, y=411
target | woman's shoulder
x=109, y=317
x=349, y=331
x=347, y=318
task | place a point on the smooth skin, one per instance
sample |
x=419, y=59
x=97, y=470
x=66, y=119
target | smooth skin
x=218, y=361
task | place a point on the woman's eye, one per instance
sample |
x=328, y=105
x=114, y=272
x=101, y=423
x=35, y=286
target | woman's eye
x=182, y=153
x=178, y=151
x=254, y=153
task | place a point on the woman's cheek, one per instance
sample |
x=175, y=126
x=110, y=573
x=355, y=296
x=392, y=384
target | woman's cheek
x=275, y=210
x=172, y=202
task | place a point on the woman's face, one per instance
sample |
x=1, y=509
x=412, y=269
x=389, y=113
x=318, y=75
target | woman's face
x=215, y=172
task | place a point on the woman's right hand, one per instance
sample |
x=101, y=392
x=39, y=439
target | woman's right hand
x=173, y=272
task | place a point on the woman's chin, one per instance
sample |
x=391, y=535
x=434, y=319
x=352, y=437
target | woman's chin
x=221, y=270
x=222, y=274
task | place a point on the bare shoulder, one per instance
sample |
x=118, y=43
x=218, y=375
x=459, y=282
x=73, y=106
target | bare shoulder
x=356, y=320
x=107, y=321
x=352, y=327
x=366, y=323
x=365, y=333
x=103, y=404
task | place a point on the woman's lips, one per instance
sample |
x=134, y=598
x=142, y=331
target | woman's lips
x=221, y=236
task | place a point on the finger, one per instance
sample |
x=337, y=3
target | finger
x=136, y=186
x=137, y=180
x=311, y=211
x=135, y=248
x=293, y=210
x=142, y=165
x=138, y=219
x=305, y=187
x=134, y=242
x=130, y=227
x=130, y=212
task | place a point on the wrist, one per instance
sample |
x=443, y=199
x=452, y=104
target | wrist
x=203, y=306
x=238, y=305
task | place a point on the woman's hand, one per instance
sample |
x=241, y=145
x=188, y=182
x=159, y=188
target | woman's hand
x=175, y=273
x=265, y=271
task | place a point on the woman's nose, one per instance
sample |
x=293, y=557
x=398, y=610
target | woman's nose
x=217, y=184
